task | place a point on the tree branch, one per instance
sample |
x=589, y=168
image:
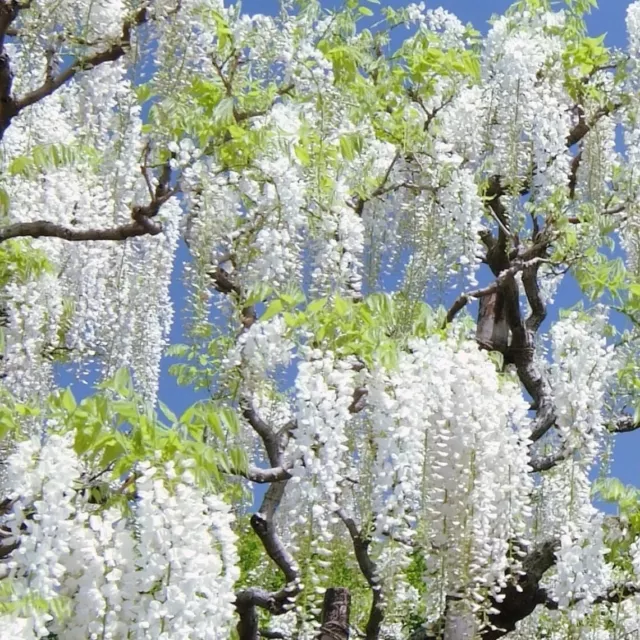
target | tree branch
x=42, y=228
x=582, y=128
x=272, y=635
x=359, y=400
x=465, y=298
x=357, y=203
x=538, y=388
x=335, y=614
x=496, y=189
x=520, y=598
x=111, y=54
x=532, y=291
x=544, y=463
x=8, y=13
x=264, y=476
x=142, y=222
x=573, y=174
x=369, y=571
x=267, y=433
x=264, y=527
x=624, y=424
x=262, y=521
x=274, y=602
x=614, y=595
x=521, y=350
x=262, y=524
x=607, y=212
x=618, y=593
x=13, y=106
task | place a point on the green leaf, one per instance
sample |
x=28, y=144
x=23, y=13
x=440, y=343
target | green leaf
x=188, y=416
x=238, y=459
x=272, y=310
x=213, y=422
x=127, y=410
x=293, y=298
x=293, y=320
x=168, y=414
x=144, y=92
x=178, y=350
x=341, y=306
x=236, y=132
x=223, y=113
x=258, y=294
x=302, y=154
x=4, y=202
x=7, y=422
x=231, y=420
x=67, y=401
x=19, y=165
x=122, y=381
x=497, y=358
x=365, y=11
x=49, y=156
x=223, y=31
x=346, y=148
x=112, y=451
x=316, y=305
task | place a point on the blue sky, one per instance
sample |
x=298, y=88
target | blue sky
x=609, y=18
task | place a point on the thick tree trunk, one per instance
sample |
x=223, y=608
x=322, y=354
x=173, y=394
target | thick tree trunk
x=335, y=614
x=492, y=332
x=460, y=623
x=247, y=626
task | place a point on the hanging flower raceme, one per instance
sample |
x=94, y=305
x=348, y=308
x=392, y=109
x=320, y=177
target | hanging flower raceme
x=451, y=441
x=262, y=349
x=583, y=365
x=582, y=573
x=186, y=567
x=631, y=228
x=633, y=28
x=447, y=222
x=529, y=117
x=109, y=301
x=325, y=386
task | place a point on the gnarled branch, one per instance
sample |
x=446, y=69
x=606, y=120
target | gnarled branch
x=503, y=276
x=624, y=424
x=42, y=228
x=141, y=225
x=546, y=462
x=52, y=83
x=335, y=614
x=369, y=570
x=522, y=596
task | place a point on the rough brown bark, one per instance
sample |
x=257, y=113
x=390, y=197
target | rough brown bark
x=335, y=614
x=492, y=332
x=460, y=623
x=370, y=572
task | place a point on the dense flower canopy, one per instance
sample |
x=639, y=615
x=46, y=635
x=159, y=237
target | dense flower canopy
x=344, y=194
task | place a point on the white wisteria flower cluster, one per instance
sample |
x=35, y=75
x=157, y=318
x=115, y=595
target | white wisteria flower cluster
x=451, y=441
x=163, y=567
x=340, y=197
